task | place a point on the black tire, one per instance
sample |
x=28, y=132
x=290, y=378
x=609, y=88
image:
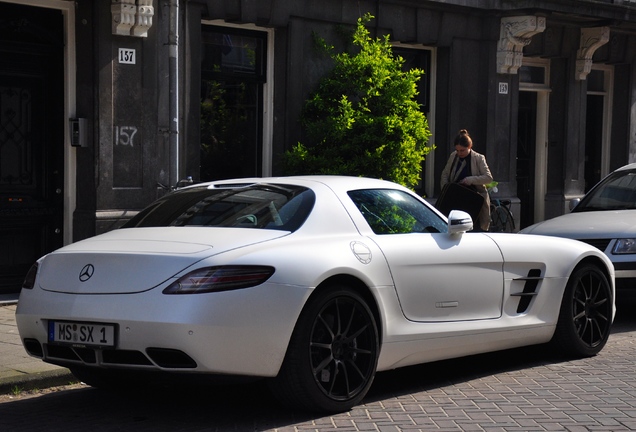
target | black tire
x=585, y=318
x=332, y=355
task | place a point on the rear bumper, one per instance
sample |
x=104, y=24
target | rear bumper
x=233, y=333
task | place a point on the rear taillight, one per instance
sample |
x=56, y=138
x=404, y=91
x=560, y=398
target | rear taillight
x=222, y=278
x=29, y=279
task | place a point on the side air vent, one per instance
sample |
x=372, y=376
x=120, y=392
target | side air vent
x=529, y=289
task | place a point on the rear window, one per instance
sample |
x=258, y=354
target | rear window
x=260, y=206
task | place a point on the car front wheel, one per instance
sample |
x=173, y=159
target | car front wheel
x=585, y=317
x=332, y=355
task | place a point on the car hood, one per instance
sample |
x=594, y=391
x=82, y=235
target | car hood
x=588, y=225
x=138, y=259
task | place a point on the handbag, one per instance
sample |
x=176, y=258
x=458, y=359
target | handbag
x=456, y=196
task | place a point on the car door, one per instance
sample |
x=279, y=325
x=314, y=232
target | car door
x=438, y=277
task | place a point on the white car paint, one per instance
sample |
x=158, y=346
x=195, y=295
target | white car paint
x=437, y=295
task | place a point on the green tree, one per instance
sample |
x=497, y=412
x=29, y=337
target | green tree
x=363, y=119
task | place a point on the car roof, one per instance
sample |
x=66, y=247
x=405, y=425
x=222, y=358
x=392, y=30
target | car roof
x=335, y=182
x=627, y=167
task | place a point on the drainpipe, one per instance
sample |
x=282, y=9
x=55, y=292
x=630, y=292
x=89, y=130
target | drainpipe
x=173, y=71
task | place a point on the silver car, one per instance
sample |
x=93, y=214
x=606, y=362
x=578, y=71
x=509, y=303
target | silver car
x=606, y=219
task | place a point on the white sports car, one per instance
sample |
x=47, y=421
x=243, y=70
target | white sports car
x=314, y=282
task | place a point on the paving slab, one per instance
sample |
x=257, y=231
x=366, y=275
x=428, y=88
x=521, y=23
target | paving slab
x=18, y=370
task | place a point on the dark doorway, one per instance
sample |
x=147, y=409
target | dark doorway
x=31, y=138
x=593, y=140
x=526, y=139
x=232, y=78
x=420, y=59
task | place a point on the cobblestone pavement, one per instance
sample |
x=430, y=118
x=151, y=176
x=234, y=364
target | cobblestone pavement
x=519, y=390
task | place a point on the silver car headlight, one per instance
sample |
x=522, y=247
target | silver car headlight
x=625, y=246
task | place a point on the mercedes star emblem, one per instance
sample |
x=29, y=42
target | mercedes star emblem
x=86, y=273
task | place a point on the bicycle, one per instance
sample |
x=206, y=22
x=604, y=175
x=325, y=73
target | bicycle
x=180, y=184
x=501, y=218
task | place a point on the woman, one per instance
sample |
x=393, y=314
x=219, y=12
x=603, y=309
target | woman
x=469, y=168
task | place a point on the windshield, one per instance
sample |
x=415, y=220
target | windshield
x=616, y=192
x=265, y=206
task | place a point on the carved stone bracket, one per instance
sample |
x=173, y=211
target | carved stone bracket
x=123, y=12
x=145, y=12
x=131, y=17
x=515, y=33
x=591, y=39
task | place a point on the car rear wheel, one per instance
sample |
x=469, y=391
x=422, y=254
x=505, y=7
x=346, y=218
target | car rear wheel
x=332, y=355
x=585, y=317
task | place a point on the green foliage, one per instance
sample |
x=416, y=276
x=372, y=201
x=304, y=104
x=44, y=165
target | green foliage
x=363, y=120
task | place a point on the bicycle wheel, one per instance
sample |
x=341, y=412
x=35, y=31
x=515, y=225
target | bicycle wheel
x=501, y=220
x=510, y=224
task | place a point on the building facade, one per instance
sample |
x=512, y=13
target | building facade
x=104, y=102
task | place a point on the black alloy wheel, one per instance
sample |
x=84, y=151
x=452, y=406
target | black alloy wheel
x=585, y=318
x=333, y=353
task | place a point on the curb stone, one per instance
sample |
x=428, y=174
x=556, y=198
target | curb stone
x=38, y=380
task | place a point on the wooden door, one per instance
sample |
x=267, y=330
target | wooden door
x=31, y=138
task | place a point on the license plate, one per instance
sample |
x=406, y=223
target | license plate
x=83, y=334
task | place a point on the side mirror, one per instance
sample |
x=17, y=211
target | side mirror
x=574, y=203
x=459, y=222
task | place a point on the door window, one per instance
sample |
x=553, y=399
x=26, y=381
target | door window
x=395, y=212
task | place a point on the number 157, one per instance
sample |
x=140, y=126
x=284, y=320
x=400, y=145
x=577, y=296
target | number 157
x=126, y=56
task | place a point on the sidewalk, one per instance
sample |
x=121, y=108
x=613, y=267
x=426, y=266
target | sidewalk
x=18, y=370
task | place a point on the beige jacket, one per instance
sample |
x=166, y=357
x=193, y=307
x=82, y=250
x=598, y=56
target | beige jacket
x=480, y=177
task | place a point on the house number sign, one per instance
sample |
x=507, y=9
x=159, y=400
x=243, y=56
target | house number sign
x=124, y=135
x=127, y=56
